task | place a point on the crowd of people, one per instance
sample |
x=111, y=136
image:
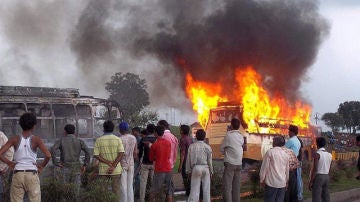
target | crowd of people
x=127, y=160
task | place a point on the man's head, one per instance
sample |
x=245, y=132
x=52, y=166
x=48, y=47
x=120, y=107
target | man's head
x=27, y=121
x=135, y=131
x=200, y=134
x=69, y=129
x=293, y=130
x=235, y=124
x=164, y=123
x=185, y=130
x=159, y=131
x=108, y=126
x=320, y=142
x=151, y=128
x=123, y=127
x=278, y=141
x=143, y=133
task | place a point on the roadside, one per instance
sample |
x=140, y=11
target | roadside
x=352, y=195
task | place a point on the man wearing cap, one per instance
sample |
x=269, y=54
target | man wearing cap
x=127, y=163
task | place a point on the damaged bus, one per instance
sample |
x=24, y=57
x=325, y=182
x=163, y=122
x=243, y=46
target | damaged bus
x=54, y=108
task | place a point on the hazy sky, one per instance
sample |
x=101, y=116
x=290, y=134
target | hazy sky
x=35, y=51
x=335, y=76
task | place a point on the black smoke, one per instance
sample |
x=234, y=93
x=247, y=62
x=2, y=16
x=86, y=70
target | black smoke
x=279, y=38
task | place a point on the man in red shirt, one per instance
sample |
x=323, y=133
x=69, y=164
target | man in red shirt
x=160, y=154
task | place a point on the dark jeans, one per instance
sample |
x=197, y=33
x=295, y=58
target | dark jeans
x=186, y=179
x=274, y=194
x=320, y=188
x=291, y=192
x=231, y=183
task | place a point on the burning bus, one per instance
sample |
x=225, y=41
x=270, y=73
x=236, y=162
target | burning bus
x=257, y=141
x=54, y=108
x=265, y=115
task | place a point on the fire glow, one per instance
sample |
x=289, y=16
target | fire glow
x=256, y=101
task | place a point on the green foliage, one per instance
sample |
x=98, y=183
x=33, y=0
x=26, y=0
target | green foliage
x=53, y=190
x=143, y=118
x=129, y=91
x=350, y=112
x=333, y=120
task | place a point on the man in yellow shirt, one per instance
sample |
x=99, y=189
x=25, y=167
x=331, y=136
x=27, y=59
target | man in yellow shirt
x=109, y=150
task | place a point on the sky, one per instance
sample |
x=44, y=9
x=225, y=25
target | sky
x=335, y=76
x=35, y=51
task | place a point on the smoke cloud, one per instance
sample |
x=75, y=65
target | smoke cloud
x=279, y=39
x=81, y=44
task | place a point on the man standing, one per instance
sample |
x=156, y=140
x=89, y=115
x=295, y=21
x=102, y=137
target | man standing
x=109, y=151
x=127, y=163
x=147, y=168
x=172, y=139
x=358, y=162
x=160, y=153
x=199, y=166
x=319, y=179
x=9, y=154
x=136, y=133
x=274, y=172
x=25, y=176
x=294, y=144
x=232, y=148
x=70, y=148
x=185, y=142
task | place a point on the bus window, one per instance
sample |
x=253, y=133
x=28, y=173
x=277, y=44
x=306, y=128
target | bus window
x=12, y=109
x=9, y=117
x=85, y=121
x=64, y=114
x=45, y=124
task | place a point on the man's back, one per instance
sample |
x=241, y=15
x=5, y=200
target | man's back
x=129, y=143
x=275, y=168
x=160, y=153
x=108, y=147
x=144, y=150
x=232, y=147
x=294, y=144
x=185, y=142
x=174, y=145
x=70, y=148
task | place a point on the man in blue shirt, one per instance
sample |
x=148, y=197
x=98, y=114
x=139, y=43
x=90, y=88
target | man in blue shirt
x=294, y=144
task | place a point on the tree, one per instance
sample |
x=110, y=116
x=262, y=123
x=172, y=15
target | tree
x=129, y=91
x=350, y=112
x=145, y=117
x=333, y=120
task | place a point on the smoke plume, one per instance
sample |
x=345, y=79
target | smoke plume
x=81, y=44
x=278, y=38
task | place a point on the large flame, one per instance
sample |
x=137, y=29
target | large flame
x=257, y=103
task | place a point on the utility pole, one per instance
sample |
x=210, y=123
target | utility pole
x=316, y=118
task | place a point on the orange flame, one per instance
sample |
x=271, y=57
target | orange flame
x=256, y=101
x=204, y=96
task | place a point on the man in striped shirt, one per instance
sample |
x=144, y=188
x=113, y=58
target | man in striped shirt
x=109, y=151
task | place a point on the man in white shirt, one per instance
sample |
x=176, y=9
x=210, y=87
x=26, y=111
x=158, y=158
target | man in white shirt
x=274, y=172
x=232, y=148
x=127, y=163
x=319, y=178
